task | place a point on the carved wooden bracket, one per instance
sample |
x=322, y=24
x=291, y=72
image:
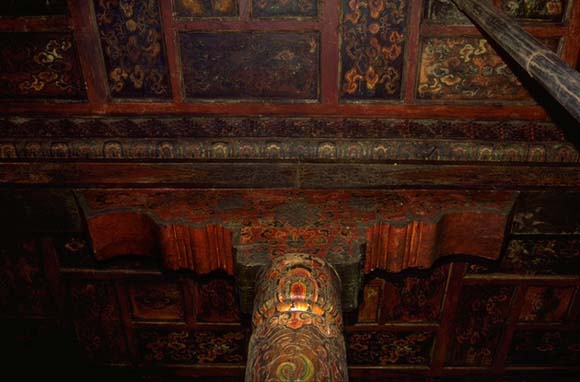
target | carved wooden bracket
x=199, y=249
x=418, y=244
x=200, y=231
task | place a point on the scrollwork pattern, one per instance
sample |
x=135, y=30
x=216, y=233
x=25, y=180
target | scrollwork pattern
x=40, y=65
x=133, y=48
x=373, y=36
x=454, y=68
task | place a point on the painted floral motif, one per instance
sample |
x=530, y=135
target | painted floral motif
x=445, y=12
x=156, y=301
x=39, y=65
x=216, y=301
x=415, y=298
x=542, y=257
x=455, y=68
x=546, y=304
x=549, y=10
x=373, y=36
x=193, y=347
x=97, y=321
x=545, y=347
x=133, y=48
x=250, y=65
x=389, y=348
x=284, y=8
x=479, y=323
x=206, y=8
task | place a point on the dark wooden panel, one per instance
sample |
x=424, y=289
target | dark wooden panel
x=288, y=175
x=545, y=304
x=400, y=175
x=542, y=257
x=545, y=347
x=133, y=48
x=97, y=321
x=547, y=212
x=284, y=8
x=40, y=65
x=46, y=210
x=279, y=65
x=32, y=7
x=479, y=324
x=385, y=348
x=216, y=301
x=372, y=49
x=24, y=289
x=416, y=298
x=159, y=301
x=206, y=8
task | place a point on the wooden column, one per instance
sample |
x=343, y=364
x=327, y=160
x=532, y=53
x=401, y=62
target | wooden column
x=297, y=323
x=545, y=66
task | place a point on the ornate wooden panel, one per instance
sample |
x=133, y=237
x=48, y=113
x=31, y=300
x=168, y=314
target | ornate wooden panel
x=372, y=54
x=544, y=304
x=206, y=8
x=415, y=298
x=467, y=68
x=156, y=301
x=337, y=105
x=216, y=301
x=481, y=315
x=133, y=48
x=40, y=65
x=250, y=65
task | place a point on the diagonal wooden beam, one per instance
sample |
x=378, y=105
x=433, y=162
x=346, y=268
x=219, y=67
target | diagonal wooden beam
x=545, y=66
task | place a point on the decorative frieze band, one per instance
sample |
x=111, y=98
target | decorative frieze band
x=286, y=149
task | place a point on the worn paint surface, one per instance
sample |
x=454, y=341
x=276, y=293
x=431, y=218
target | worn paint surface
x=297, y=323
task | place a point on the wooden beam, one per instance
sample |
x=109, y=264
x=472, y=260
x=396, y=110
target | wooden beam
x=545, y=66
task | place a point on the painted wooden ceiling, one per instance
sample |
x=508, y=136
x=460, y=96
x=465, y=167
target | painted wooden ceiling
x=402, y=58
x=351, y=100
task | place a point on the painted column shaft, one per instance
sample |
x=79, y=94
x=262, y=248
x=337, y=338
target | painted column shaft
x=297, y=323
